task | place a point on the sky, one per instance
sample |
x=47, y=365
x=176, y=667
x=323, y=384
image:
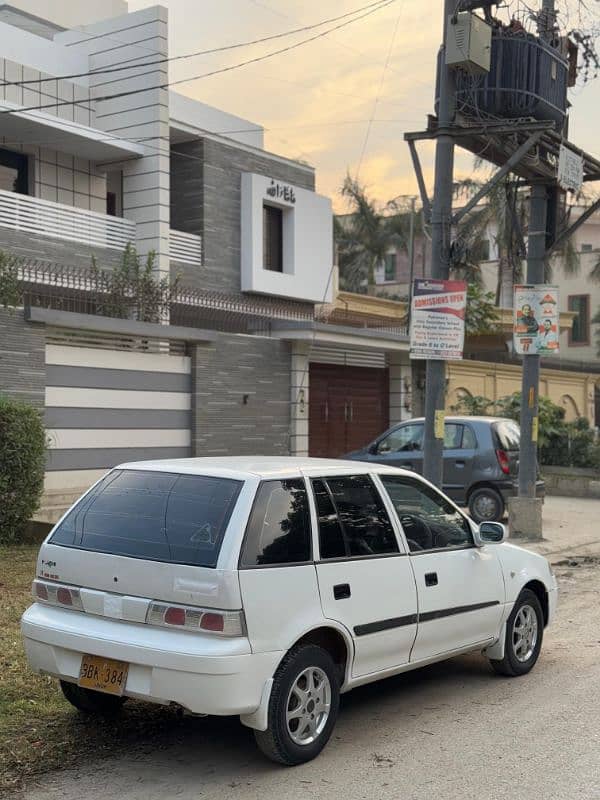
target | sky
x=341, y=103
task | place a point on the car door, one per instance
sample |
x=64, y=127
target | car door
x=365, y=579
x=402, y=447
x=460, y=587
x=459, y=452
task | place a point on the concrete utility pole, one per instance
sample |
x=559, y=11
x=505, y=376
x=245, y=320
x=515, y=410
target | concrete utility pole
x=441, y=215
x=526, y=511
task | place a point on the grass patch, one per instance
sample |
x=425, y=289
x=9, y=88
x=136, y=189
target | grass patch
x=39, y=730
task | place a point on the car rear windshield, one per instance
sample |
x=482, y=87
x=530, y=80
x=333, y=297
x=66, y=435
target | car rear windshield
x=508, y=434
x=157, y=516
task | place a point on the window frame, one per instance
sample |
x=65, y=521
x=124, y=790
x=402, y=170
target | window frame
x=420, y=485
x=21, y=162
x=571, y=341
x=311, y=538
x=386, y=505
x=269, y=211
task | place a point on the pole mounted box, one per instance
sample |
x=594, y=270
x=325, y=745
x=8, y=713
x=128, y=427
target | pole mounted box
x=468, y=43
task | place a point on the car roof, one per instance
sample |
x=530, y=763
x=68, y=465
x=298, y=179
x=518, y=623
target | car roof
x=243, y=467
x=455, y=418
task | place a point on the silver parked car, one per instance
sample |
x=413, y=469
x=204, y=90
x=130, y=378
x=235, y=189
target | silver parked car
x=481, y=460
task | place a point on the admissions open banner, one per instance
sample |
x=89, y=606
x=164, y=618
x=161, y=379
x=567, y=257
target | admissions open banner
x=437, y=320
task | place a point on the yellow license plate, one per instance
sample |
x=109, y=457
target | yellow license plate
x=103, y=674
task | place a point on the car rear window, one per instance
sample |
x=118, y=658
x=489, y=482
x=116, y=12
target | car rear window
x=508, y=434
x=157, y=516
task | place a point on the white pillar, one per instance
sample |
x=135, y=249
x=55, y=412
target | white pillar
x=400, y=387
x=299, y=399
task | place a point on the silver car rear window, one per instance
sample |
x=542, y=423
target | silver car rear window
x=156, y=516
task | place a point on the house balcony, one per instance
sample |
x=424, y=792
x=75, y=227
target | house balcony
x=32, y=216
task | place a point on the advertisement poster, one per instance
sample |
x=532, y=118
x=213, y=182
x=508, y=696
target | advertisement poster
x=536, y=320
x=437, y=320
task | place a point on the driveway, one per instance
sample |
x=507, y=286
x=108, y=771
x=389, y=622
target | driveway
x=453, y=730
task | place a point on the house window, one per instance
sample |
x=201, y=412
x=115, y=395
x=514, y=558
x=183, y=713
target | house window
x=587, y=248
x=580, y=332
x=484, y=250
x=114, y=194
x=272, y=238
x=390, y=267
x=14, y=172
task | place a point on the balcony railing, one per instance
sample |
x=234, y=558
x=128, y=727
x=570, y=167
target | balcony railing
x=185, y=247
x=31, y=215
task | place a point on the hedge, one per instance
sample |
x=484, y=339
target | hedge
x=22, y=464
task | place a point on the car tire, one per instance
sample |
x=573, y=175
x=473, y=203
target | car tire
x=524, y=634
x=486, y=505
x=90, y=702
x=307, y=679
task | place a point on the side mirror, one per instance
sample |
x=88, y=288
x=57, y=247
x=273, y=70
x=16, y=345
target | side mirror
x=492, y=533
x=380, y=447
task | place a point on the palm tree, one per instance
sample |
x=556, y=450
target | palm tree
x=504, y=215
x=367, y=234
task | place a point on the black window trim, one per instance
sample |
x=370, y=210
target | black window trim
x=349, y=556
x=311, y=559
x=417, y=482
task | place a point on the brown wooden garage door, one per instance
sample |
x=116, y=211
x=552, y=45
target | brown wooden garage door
x=349, y=407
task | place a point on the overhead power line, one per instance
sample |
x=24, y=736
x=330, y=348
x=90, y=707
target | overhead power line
x=119, y=66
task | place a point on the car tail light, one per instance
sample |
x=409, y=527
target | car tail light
x=57, y=595
x=503, y=460
x=221, y=623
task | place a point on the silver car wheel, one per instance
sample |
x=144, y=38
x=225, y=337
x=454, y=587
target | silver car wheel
x=525, y=633
x=308, y=705
x=486, y=507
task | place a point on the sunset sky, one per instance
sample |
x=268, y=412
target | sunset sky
x=316, y=101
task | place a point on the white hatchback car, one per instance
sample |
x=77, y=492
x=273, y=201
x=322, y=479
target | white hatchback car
x=266, y=587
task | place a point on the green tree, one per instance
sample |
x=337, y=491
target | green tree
x=22, y=464
x=131, y=291
x=11, y=292
x=367, y=234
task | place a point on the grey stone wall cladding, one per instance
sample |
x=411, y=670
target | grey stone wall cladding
x=60, y=251
x=22, y=358
x=222, y=373
x=205, y=199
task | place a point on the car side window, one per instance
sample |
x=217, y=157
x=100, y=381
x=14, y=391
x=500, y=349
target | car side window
x=278, y=530
x=453, y=435
x=429, y=520
x=331, y=538
x=469, y=442
x=402, y=440
x=365, y=525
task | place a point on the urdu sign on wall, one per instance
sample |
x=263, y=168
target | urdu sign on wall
x=437, y=319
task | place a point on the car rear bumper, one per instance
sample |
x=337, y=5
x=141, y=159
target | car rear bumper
x=165, y=666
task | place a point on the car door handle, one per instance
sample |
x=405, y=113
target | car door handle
x=459, y=463
x=341, y=591
x=408, y=465
x=431, y=579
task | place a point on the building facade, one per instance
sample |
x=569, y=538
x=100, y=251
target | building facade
x=254, y=353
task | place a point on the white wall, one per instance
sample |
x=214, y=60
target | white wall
x=307, y=242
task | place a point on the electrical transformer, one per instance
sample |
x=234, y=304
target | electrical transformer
x=468, y=43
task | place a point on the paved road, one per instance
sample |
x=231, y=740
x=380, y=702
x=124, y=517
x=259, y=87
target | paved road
x=453, y=730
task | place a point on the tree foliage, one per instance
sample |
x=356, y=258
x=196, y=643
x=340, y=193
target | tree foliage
x=22, y=463
x=131, y=291
x=11, y=293
x=482, y=315
x=560, y=443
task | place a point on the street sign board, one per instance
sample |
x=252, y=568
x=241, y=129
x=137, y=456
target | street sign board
x=570, y=169
x=437, y=319
x=536, y=328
